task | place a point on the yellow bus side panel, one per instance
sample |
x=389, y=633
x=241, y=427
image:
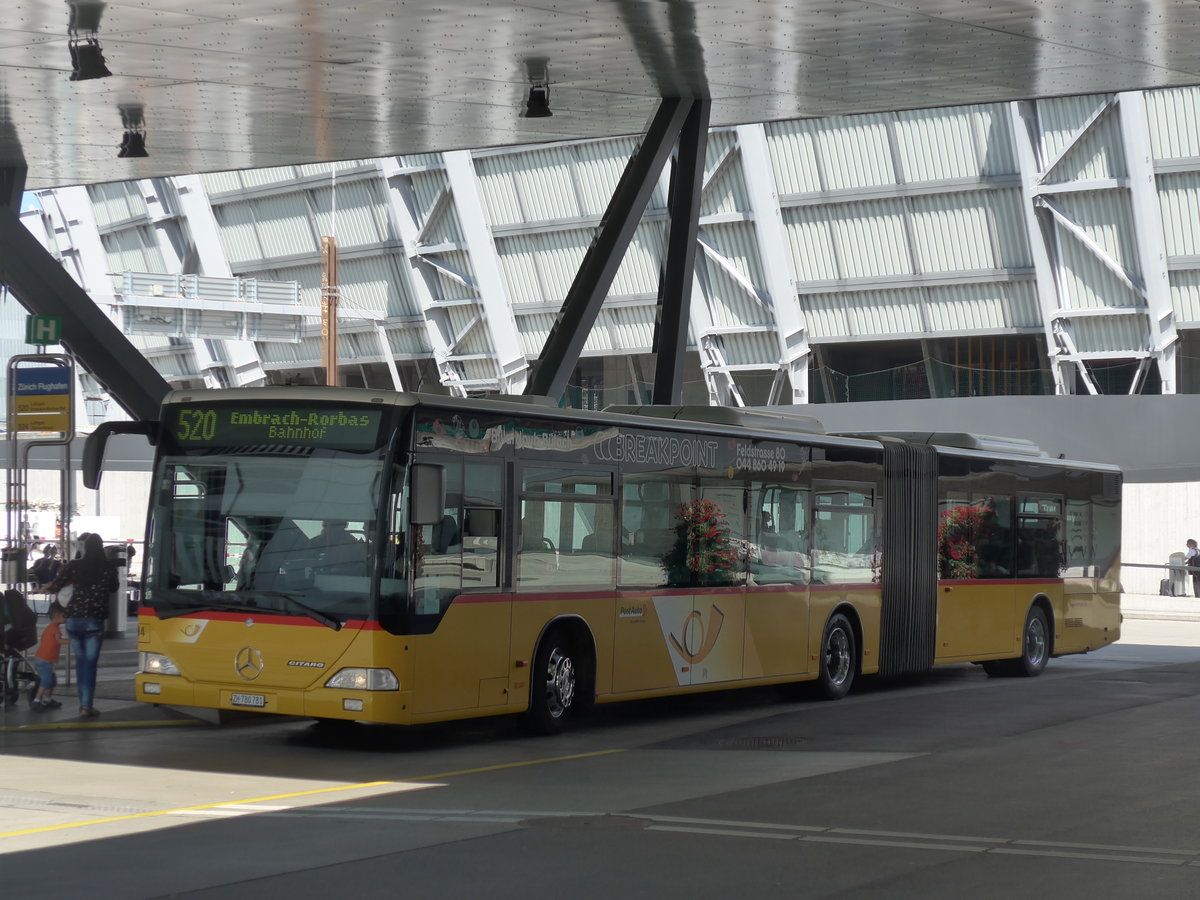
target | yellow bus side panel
x=976, y=620
x=1086, y=618
x=776, y=634
x=640, y=660
x=465, y=663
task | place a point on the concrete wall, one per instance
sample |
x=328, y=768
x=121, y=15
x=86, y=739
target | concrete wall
x=1156, y=520
x=1152, y=438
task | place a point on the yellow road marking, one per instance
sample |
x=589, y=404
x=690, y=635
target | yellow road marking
x=345, y=787
x=512, y=765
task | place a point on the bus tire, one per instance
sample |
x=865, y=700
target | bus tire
x=1035, y=650
x=839, y=658
x=552, y=685
x=1035, y=645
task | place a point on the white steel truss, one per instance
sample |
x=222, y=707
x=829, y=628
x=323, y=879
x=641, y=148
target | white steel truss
x=1050, y=223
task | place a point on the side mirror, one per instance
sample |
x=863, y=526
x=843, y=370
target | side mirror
x=93, y=447
x=427, y=493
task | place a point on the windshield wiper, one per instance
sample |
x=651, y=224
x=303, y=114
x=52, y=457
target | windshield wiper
x=219, y=600
x=317, y=615
x=203, y=601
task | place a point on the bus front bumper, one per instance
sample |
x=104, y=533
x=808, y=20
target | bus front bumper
x=392, y=707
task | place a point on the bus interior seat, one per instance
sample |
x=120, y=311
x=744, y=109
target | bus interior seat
x=593, y=543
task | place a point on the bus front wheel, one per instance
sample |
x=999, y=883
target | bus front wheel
x=839, y=659
x=552, y=685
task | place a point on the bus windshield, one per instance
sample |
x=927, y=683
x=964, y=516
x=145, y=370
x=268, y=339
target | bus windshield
x=264, y=528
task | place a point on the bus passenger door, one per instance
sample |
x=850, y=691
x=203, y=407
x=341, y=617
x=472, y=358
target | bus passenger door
x=777, y=601
x=462, y=660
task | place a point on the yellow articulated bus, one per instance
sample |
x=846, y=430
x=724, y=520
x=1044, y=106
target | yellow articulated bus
x=349, y=554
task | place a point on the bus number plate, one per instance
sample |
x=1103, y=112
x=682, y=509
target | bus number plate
x=248, y=700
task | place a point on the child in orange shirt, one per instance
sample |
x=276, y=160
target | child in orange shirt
x=48, y=651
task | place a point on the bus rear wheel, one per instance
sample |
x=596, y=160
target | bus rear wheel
x=553, y=685
x=1035, y=649
x=839, y=658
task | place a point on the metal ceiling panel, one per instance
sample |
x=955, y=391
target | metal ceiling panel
x=250, y=84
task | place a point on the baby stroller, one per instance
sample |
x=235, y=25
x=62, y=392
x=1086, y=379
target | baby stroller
x=19, y=623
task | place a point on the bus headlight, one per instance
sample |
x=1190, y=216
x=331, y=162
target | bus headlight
x=364, y=680
x=156, y=664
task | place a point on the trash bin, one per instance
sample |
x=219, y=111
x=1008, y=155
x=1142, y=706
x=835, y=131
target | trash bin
x=12, y=561
x=1181, y=581
x=118, y=606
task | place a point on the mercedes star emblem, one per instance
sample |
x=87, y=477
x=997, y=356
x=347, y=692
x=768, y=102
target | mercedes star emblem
x=248, y=663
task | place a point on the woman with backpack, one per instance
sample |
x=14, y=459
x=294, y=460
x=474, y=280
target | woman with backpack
x=92, y=578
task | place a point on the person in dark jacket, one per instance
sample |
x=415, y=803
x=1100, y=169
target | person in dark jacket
x=92, y=577
x=46, y=569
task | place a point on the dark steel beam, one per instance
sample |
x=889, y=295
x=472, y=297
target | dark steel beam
x=582, y=305
x=44, y=288
x=675, y=286
x=12, y=186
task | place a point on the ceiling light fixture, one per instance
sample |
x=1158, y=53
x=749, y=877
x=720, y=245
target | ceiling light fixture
x=133, y=142
x=87, y=60
x=84, y=15
x=133, y=146
x=538, y=104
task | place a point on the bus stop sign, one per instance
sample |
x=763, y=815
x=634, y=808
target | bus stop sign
x=43, y=330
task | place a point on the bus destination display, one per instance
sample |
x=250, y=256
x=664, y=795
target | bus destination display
x=309, y=426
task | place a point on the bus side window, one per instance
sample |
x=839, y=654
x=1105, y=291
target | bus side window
x=481, y=518
x=481, y=538
x=437, y=553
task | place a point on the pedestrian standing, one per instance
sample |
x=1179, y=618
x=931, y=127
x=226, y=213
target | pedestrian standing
x=93, y=578
x=48, y=652
x=1191, y=560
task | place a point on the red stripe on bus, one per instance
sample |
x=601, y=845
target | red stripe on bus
x=1009, y=580
x=261, y=618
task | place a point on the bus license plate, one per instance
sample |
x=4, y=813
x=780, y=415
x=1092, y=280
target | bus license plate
x=248, y=700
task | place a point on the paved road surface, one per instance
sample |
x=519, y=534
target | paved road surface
x=1078, y=784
